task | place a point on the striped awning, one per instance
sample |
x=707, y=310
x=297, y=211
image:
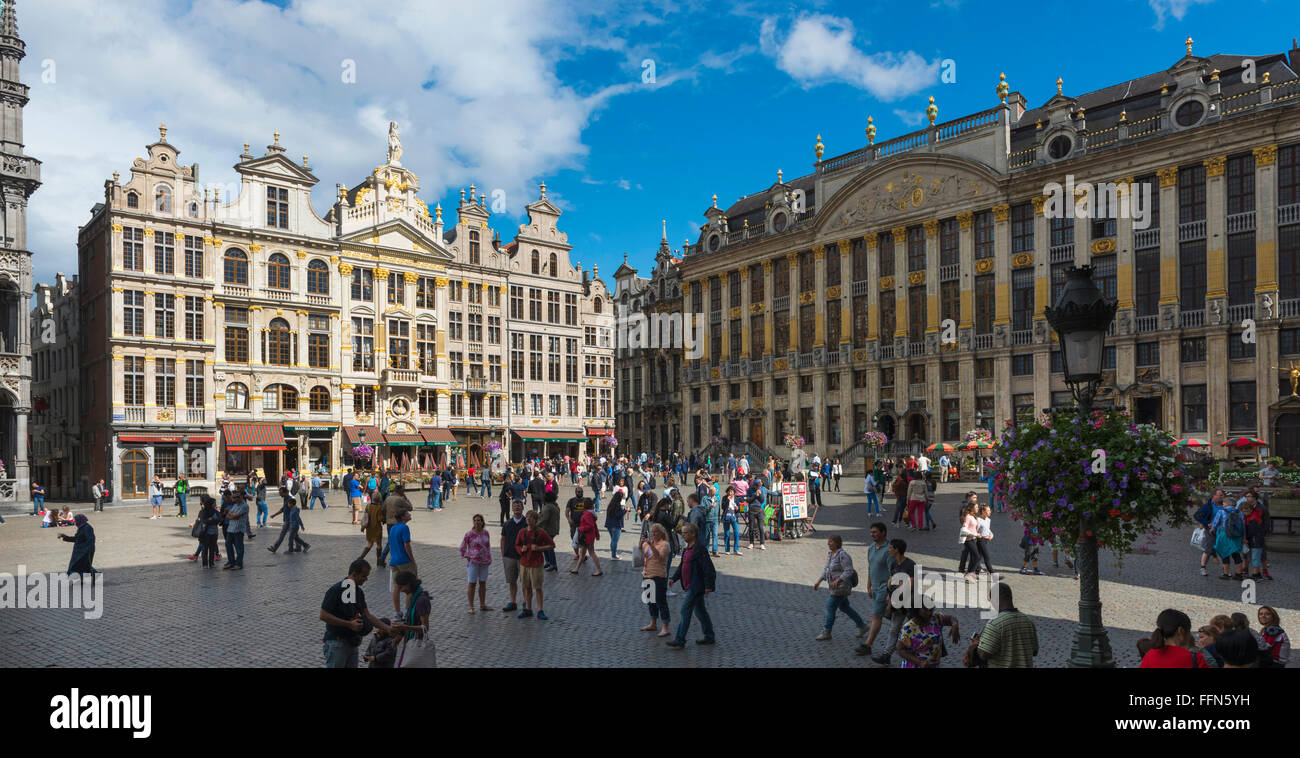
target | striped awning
x=256, y=435
x=530, y=435
x=437, y=436
x=599, y=431
x=176, y=438
x=403, y=440
x=352, y=435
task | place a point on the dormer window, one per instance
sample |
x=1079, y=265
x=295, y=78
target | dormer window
x=1189, y=113
x=132, y=200
x=194, y=210
x=277, y=207
x=162, y=199
x=474, y=254
x=555, y=266
x=1059, y=147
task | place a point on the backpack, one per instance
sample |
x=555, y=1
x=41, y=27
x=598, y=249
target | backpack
x=1236, y=525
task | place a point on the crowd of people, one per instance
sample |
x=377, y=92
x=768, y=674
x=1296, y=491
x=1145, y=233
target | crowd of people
x=1227, y=641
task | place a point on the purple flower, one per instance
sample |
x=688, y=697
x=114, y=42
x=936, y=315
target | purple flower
x=1052, y=490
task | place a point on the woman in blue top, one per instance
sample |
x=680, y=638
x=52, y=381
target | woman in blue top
x=1229, y=527
x=355, y=494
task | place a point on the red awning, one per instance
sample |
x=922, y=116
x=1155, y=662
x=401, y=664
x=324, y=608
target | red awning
x=403, y=439
x=599, y=431
x=352, y=435
x=437, y=436
x=256, y=435
x=164, y=438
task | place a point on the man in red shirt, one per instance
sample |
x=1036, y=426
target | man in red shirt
x=698, y=578
x=530, y=543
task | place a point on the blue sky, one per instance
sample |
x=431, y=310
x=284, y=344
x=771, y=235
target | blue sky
x=510, y=93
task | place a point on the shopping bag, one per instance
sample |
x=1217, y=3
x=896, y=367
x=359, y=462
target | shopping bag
x=1198, y=538
x=417, y=653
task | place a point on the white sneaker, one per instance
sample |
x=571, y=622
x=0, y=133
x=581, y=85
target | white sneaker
x=762, y=547
x=1204, y=572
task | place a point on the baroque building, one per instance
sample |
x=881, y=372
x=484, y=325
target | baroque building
x=233, y=330
x=648, y=355
x=20, y=175
x=901, y=286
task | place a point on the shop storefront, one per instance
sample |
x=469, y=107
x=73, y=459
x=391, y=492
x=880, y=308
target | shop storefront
x=316, y=443
x=255, y=447
x=439, y=447
x=530, y=443
x=355, y=436
x=596, y=446
x=141, y=456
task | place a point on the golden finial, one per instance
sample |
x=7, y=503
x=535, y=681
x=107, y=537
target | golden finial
x=1265, y=79
x=932, y=110
x=819, y=148
x=1188, y=42
x=1003, y=87
x=437, y=210
x=778, y=176
x=116, y=177
x=304, y=161
x=245, y=148
x=1038, y=124
x=1123, y=116
x=1214, y=75
x=162, y=132
x=462, y=197
x=715, y=200
x=1059, y=82
x=1164, y=88
x=1080, y=114
x=343, y=193
x=871, y=130
x=276, y=134
x=543, y=188
x=746, y=224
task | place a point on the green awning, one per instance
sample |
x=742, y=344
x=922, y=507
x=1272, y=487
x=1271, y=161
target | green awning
x=530, y=435
x=436, y=436
x=403, y=440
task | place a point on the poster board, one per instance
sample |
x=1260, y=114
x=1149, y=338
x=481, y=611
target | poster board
x=794, y=499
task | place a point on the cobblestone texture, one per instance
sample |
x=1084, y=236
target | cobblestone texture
x=164, y=610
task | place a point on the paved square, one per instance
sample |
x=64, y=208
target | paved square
x=163, y=610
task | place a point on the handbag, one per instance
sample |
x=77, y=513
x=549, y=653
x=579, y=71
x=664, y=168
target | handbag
x=1198, y=538
x=196, y=529
x=417, y=653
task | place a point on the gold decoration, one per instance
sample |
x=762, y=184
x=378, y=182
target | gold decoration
x=1020, y=260
x=715, y=374
x=1003, y=88
x=254, y=248
x=723, y=277
x=871, y=241
x=440, y=282
x=381, y=273
x=845, y=246
x=757, y=402
x=411, y=278
x=819, y=252
x=1059, y=82
x=983, y=265
x=859, y=356
x=819, y=148
x=302, y=254
x=767, y=269
x=117, y=227
x=334, y=259
x=964, y=219
x=1001, y=212
x=886, y=283
x=165, y=415
x=900, y=233
x=1168, y=176
x=1265, y=155
x=832, y=292
x=1038, y=204
x=807, y=297
x=1214, y=75
x=756, y=308
x=792, y=259
x=1265, y=79
x=781, y=364
x=1214, y=166
x=931, y=228
x=871, y=131
x=1188, y=42
x=916, y=277
x=932, y=111
x=686, y=288
x=345, y=269
x=734, y=312
x=1103, y=246
x=148, y=232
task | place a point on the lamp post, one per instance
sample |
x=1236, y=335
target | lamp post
x=1081, y=317
x=184, y=467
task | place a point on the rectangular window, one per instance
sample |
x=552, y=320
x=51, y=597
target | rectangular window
x=475, y=327
x=983, y=368
x=363, y=284
x=949, y=242
x=516, y=356
x=1192, y=350
x=396, y=288
x=1288, y=175
x=734, y=288
x=363, y=399
x=780, y=277
x=133, y=249
x=806, y=383
x=950, y=300
x=1191, y=194
x=984, y=412
x=806, y=428
x=194, y=318
x=886, y=377
x=985, y=304
x=916, y=248
x=948, y=371
x=164, y=382
x=363, y=344
x=1242, y=407
x=571, y=310
x=807, y=326
x=757, y=336
x=1148, y=354
x=861, y=261
x=571, y=369
x=1024, y=407
x=951, y=419
x=534, y=305
x=737, y=338
x=1022, y=228
x=983, y=235
x=1022, y=299
x=236, y=334
x=807, y=274
x=194, y=395
x=885, y=241
x=456, y=362
x=833, y=425
x=1104, y=276
x=133, y=380
x=535, y=357
x=780, y=386
x=455, y=326
x=916, y=374
x=553, y=307
x=193, y=257
x=1194, y=408
x=888, y=319
x=318, y=350
x=916, y=316
x=1237, y=349
x=1147, y=284
x=1191, y=273
x=1150, y=187
x=1022, y=365
x=1241, y=184
x=1288, y=261
x=1109, y=358
x=780, y=331
x=164, y=462
x=832, y=324
x=277, y=207
x=164, y=316
x=860, y=321
x=1241, y=268
x=164, y=253
x=133, y=313
x=1288, y=342
x=1058, y=281
x=832, y=253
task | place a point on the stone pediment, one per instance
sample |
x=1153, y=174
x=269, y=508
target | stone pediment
x=922, y=189
x=278, y=166
x=400, y=235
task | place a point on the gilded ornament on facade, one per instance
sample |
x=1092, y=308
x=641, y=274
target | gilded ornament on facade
x=964, y=219
x=254, y=248
x=931, y=228
x=1020, y=260
x=1265, y=155
x=792, y=259
x=334, y=259
x=819, y=252
x=757, y=402
x=686, y=288
x=735, y=405
x=983, y=265
x=756, y=308
x=734, y=313
x=1001, y=212
x=832, y=292
x=410, y=277
x=900, y=233
x=302, y=254
x=345, y=269
x=1168, y=176
x=1038, y=202
x=715, y=374
x=871, y=241
x=1103, y=246
x=767, y=269
x=381, y=273
x=916, y=277
x=845, y=246
x=807, y=297
x=1214, y=166
x=859, y=356
x=781, y=364
x=886, y=283
x=440, y=281
x=117, y=227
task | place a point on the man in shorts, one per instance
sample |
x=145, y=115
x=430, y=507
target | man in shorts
x=1030, y=547
x=531, y=542
x=509, y=555
x=877, y=581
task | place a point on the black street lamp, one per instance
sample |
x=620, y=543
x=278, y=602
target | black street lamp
x=1081, y=317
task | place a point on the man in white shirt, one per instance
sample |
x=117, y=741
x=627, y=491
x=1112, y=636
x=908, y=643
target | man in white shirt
x=944, y=463
x=923, y=464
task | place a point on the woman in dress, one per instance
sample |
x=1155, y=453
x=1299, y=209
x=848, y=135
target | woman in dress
x=83, y=547
x=920, y=643
x=476, y=549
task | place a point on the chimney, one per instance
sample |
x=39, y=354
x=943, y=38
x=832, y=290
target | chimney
x=1295, y=55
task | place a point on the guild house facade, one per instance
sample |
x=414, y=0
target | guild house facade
x=232, y=330
x=901, y=286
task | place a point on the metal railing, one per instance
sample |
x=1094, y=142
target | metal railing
x=1146, y=238
x=1188, y=319
x=1241, y=222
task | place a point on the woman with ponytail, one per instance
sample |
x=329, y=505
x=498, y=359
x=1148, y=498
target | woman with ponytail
x=1171, y=644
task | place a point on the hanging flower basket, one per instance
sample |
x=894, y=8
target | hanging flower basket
x=793, y=441
x=1069, y=477
x=875, y=439
x=493, y=446
x=363, y=451
x=611, y=441
x=979, y=434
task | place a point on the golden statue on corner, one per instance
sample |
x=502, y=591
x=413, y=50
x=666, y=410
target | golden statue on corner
x=1295, y=377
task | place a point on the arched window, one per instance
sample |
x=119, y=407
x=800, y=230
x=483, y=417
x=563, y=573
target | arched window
x=596, y=305
x=162, y=199
x=277, y=272
x=236, y=397
x=132, y=200
x=474, y=254
x=135, y=473
x=555, y=265
x=278, y=343
x=279, y=397
x=318, y=278
x=319, y=398
x=236, y=266
x=537, y=262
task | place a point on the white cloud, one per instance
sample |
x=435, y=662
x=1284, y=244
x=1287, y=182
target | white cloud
x=222, y=72
x=1176, y=8
x=623, y=184
x=820, y=49
x=911, y=118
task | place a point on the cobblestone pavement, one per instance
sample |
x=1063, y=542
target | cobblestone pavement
x=163, y=610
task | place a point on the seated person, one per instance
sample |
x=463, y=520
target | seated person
x=50, y=519
x=65, y=516
x=1269, y=474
